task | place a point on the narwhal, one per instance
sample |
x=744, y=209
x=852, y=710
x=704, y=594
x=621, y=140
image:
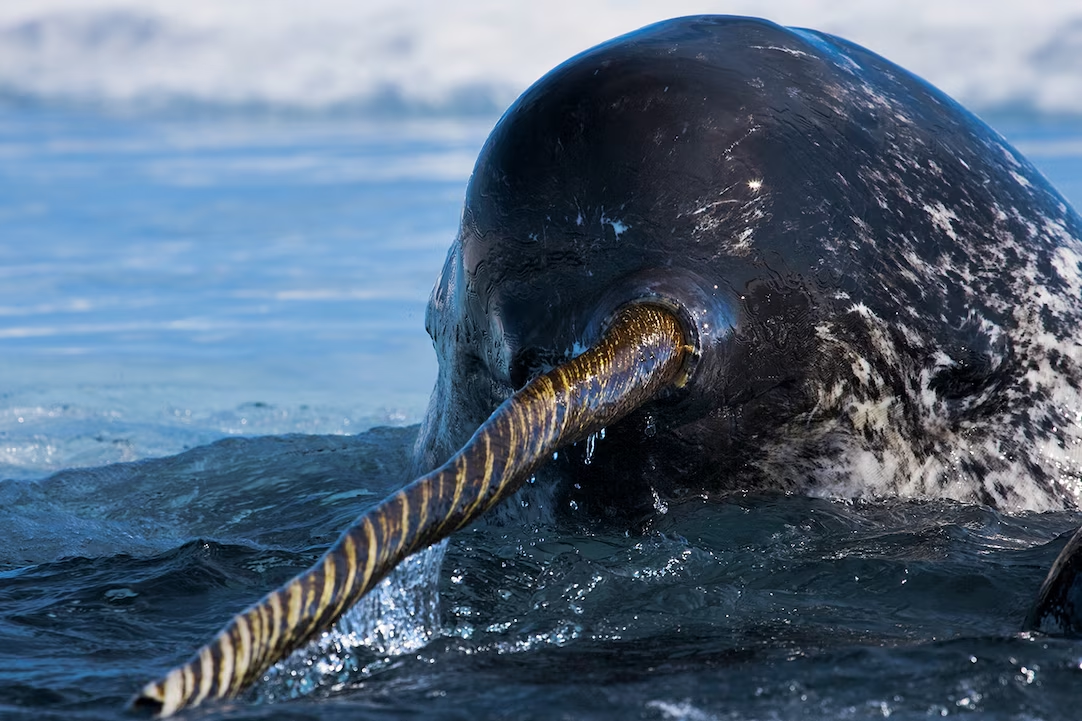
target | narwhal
x=754, y=257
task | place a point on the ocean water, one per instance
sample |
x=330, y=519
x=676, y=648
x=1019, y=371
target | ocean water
x=170, y=281
x=212, y=358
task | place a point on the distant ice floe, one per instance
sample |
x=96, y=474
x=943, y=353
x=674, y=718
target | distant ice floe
x=437, y=57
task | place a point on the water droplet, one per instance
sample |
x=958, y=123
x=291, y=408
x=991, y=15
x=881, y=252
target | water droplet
x=659, y=505
x=591, y=442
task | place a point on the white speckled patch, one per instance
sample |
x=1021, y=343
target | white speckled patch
x=971, y=387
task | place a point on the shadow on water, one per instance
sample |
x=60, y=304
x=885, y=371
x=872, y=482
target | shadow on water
x=746, y=607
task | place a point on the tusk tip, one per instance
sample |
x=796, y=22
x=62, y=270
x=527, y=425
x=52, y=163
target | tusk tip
x=145, y=704
x=155, y=700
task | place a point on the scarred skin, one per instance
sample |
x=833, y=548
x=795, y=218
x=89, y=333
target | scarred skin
x=796, y=267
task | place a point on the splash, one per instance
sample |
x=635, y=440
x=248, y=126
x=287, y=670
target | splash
x=400, y=616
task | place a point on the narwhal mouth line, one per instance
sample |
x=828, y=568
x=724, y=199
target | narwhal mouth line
x=644, y=350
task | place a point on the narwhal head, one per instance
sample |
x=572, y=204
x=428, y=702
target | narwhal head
x=630, y=173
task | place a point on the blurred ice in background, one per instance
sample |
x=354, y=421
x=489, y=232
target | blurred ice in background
x=478, y=55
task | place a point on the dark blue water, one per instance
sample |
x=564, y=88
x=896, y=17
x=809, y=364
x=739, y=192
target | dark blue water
x=198, y=315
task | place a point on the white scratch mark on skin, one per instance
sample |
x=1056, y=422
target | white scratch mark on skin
x=1021, y=180
x=789, y=51
x=618, y=226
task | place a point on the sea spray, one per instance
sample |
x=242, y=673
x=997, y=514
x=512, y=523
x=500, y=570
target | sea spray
x=399, y=616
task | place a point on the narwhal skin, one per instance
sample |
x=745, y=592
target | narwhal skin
x=757, y=258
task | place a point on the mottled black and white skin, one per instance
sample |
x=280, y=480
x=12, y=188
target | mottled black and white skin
x=887, y=297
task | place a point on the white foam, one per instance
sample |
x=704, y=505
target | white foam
x=399, y=616
x=479, y=54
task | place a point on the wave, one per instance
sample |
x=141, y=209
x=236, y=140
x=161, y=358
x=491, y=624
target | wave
x=476, y=56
